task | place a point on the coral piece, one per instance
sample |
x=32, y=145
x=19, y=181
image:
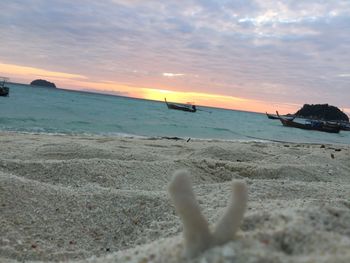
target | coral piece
x=197, y=235
x=196, y=229
x=229, y=223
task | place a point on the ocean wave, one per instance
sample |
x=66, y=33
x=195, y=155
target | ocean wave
x=6, y=120
x=79, y=123
x=70, y=133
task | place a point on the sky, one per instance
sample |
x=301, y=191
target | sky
x=249, y=55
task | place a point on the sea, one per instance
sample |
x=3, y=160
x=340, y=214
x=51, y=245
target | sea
x=31, y=109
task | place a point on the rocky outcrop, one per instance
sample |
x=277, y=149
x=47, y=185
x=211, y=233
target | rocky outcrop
x=43, y=83
x=321, y=112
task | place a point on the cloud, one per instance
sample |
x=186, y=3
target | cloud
x=292, y=51
x=344, y=75
x=171, y=75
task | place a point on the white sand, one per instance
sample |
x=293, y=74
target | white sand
x=104, y=199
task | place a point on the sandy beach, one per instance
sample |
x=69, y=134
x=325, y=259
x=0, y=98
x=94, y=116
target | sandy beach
x=104, y=199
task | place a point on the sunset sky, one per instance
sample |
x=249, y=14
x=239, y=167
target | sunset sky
x=257, y=55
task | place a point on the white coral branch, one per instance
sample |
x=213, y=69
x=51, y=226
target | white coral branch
x=229, y=223
x=196, y=229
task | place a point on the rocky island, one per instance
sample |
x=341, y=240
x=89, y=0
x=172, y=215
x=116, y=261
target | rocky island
x=321, y=112
x=43, y=83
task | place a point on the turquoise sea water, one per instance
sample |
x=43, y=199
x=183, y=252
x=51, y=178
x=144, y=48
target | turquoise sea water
x=44, y=110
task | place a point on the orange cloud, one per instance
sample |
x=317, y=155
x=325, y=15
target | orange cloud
x=24, y=72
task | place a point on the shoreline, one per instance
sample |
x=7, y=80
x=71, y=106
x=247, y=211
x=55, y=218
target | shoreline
x=131, y=136
x=104, y=199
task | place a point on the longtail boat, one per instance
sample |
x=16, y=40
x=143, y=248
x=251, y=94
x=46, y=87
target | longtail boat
x=275, y=117
x=4, y=91
x=183, y=107
x=315, y=125
x=344, y=125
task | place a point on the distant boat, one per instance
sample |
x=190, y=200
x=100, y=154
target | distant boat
x=315, y=125
x=275, y=117
x=183, y=107
x=344, y=125
x=4, y=91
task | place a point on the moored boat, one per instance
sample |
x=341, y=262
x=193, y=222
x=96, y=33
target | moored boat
x=344, y=125
x=183, y=107
x=275, y=117
x=315, y=125
x=4, y=91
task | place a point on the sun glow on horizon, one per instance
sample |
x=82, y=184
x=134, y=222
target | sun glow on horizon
x=82, y=83
x=198, y=98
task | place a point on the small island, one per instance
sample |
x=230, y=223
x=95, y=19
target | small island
x=321, y=112
x=43, y=83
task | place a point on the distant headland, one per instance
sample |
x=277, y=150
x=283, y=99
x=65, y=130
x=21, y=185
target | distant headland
x=321, y=112
x=43, y=83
